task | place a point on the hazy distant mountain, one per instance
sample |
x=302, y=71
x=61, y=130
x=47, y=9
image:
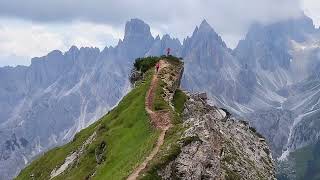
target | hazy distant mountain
x=271, y=78
x=285, y=58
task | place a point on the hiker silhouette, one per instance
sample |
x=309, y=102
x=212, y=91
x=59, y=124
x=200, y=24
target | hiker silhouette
x=157, y=66
x=168, y=51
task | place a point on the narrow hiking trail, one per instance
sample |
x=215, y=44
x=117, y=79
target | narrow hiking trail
x=159, y=119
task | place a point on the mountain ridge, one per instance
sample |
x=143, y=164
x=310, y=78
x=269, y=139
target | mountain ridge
x=186, y=124
x=210, y=66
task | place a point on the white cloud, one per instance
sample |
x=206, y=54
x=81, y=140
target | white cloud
x=21, y=40
x=312, y=9
x=89, y=34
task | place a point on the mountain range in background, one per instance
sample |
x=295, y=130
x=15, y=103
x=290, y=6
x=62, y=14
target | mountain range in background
x=271, y=79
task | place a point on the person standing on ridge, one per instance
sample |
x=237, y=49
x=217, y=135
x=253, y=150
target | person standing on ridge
x=168, y=51
x=157, y=67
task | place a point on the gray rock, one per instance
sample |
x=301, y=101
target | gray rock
x=203, y=96
x=218, y=149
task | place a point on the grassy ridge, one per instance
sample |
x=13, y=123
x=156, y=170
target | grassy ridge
x=159, y=103
x=124, y=137
x=179, y=99
x=171, y=147
x=126, y=132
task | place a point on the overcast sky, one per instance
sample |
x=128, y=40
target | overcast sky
x=37, y=27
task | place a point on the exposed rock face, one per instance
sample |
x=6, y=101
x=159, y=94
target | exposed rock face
x=210, y=67
x=73, y=157
x=274, y=124
x=160, y=46
x=270, y=77
x=137, y=39
x=135, y=75
x=283, y=57
x=219, y=147
x=171, y=76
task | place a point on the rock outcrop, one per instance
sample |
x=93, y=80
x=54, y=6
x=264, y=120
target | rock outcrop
x=73, y=157
x=171, y=76
x=218, y=147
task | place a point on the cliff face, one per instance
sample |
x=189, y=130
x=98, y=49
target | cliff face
x=216, y=146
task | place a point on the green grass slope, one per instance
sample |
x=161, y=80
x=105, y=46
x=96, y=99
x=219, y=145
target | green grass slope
x=123, y=138
x=307, y=162
x=302, y=164
x=126, y=133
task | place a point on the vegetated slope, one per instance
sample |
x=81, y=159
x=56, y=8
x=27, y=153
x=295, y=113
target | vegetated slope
x=302, y=164
x=307, y=162
x=124, y=136
x=113, y=146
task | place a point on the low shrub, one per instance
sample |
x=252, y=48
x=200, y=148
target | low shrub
x=144, y=64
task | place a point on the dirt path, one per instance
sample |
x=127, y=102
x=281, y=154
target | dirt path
x=159, y=119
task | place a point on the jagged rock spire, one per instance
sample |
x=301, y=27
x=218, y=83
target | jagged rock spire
x=136, y=28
